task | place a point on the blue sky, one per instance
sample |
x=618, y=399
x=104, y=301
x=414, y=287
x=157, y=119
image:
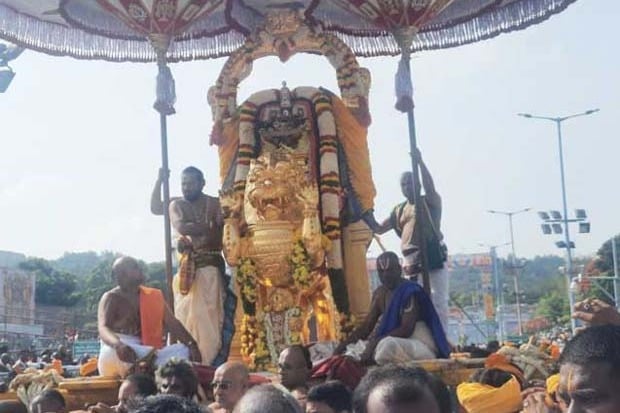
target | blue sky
x=80, y=141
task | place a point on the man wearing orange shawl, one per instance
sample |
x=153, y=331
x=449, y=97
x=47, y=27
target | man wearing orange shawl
x=132, y=319
x=199, y=290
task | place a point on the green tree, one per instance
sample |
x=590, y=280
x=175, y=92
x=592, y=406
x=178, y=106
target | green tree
x=554, y=307
x=81, y=263
x=53, y=287
x=96, y=283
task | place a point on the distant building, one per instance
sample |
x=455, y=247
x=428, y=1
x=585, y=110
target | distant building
x=17, y=307
x=10, y=259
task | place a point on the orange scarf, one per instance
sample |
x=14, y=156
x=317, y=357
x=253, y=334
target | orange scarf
x=152, y=306
x=501, y=362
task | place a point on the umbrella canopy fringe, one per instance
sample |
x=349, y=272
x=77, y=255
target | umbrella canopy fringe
x=514, y=16
x=56, y=39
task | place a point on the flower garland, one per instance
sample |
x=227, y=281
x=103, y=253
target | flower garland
x=253, y=344
x=246, y=278
x=348, y=322
x=292, y=319
x=300, y=264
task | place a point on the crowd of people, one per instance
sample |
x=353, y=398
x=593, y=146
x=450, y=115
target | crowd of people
x=371, y=370
x=588, y=381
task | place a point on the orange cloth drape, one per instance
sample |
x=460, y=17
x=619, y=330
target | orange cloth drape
x=500, y=362
x=152, y=306
x=354, y=139
x=89, y=367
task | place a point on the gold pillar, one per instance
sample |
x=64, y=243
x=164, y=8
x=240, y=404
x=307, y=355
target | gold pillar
x=356, y=238
x=235, y=345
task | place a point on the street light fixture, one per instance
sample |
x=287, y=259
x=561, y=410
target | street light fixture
x=513, y=263
x=567, y=242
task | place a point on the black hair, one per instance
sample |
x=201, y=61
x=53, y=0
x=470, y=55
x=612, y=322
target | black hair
x=599, y=344
x=333, y=393
x=390, y=258
x=144, y=383
x=53, y=395
x=167, y=403
x=305, y=353
x=401, y=384
x=192, y=170
x=182, y=370
x=491, y=377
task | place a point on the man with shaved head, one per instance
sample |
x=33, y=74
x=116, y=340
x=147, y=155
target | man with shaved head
x=132, y=320
x=402, y=324
x=229, y=384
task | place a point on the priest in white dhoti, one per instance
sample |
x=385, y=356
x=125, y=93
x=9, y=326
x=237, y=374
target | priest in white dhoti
x=133, y=320
x=402, y=324
x=199, y=290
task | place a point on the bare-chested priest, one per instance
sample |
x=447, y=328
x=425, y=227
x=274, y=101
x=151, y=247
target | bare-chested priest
x=132, y=320
x=199, y=290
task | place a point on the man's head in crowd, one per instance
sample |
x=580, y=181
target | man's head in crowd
x=5, y=358
x=134, y=388
x=329, y=397
x=49, y=401
x=192, y=183
x=127, y=273
x=389, y=270
x=396, y=389
x=12, y=406
x=167, y=403
x=406, y=185
x=230, y=382
x=590, y=371
x=294, y=365
x=267, y=399
x=177, y=377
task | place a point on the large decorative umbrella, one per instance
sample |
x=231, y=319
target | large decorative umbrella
x=176, y=30
x=126, y=30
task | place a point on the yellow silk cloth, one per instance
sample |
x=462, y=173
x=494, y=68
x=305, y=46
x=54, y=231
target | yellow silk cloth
x=228, y=146
x=482, y=398
x=354, y=139
x=187, y=271
x=553, y=382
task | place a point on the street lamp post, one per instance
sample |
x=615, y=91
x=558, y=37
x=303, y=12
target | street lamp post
x=513, y=263
x=558, y=122
x=498, y=290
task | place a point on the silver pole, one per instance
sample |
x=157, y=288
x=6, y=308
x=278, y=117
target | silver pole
x=498, y=295
x=515, y=278
x=569, y=253
x=615, y=262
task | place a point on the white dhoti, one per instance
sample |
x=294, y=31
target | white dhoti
x=201, y=311
x=420, y=346
x=440, y=288
x=110, y=365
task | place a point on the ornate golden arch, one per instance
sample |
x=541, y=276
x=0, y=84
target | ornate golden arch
x=284, y=34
